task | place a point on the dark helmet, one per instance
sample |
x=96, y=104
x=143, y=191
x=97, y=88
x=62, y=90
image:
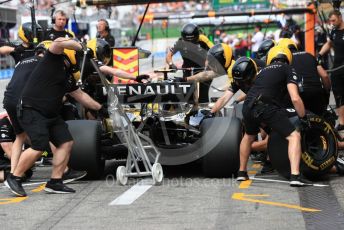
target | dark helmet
x=190, y=32
x=26, y=35
x=219, y=57
x=286, y=33
x=101, y=49
x=265, y=47
x=244, y=70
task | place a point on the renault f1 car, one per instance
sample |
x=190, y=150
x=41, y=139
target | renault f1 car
x=165, y=112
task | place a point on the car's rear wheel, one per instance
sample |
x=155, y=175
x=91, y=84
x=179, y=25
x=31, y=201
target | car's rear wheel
x=222, y=158
x=86, y=153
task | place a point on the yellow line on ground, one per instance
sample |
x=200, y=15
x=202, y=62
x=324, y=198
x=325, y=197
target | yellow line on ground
x=242, y=196
x=245, y=184
x=39, y=188
x=12, y=200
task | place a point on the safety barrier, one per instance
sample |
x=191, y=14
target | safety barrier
x=6, y=73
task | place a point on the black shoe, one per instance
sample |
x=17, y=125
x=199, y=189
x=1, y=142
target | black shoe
x=339, y=166
x=258, y=157
x=242, y=176
x=15, y=185
x=58, y=188
x=73, y=175
x=267, y=167
x=299, y=181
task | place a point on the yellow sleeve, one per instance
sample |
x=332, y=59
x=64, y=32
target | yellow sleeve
x=229, y=72
x=71, y=32
x=204, y=39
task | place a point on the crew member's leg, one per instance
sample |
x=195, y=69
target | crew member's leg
x=62, y=139
x=69, y=174
x=245, y=150
x=294, y=152
x=26, y=160
x=60, y=159
x=17, y=148
x=251, y=130
x=277, y=120
x=20, y=138
x=36, y=126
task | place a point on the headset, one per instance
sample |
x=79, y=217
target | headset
x=59, y=12
x=107, y=27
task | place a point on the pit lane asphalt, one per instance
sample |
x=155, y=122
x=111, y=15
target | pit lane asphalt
x=185, y=200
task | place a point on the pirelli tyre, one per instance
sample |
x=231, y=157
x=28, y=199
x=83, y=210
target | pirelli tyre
x=86, y=148
x=319, y=149
x=221, y=141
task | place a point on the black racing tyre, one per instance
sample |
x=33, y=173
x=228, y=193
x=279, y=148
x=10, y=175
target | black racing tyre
x=86, y=148
x=222, y=159
x=319, y=149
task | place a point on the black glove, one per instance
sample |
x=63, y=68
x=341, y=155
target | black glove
x=103, y=112
x=320, y=59
x=141, y=77
x=304, y=123
x=19, y=49
x=172, y=66
x=89, y=53
x=191, y=113
x=208, y=114
x=235, y=102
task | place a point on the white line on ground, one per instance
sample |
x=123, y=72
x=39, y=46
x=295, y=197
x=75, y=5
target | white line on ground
x=284, y=181
x=29, y=184
x=132, y=194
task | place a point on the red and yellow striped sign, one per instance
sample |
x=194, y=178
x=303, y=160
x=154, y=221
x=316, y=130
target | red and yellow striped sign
x=126, y=59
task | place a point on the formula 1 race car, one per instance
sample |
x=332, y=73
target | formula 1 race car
x=164, y=112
